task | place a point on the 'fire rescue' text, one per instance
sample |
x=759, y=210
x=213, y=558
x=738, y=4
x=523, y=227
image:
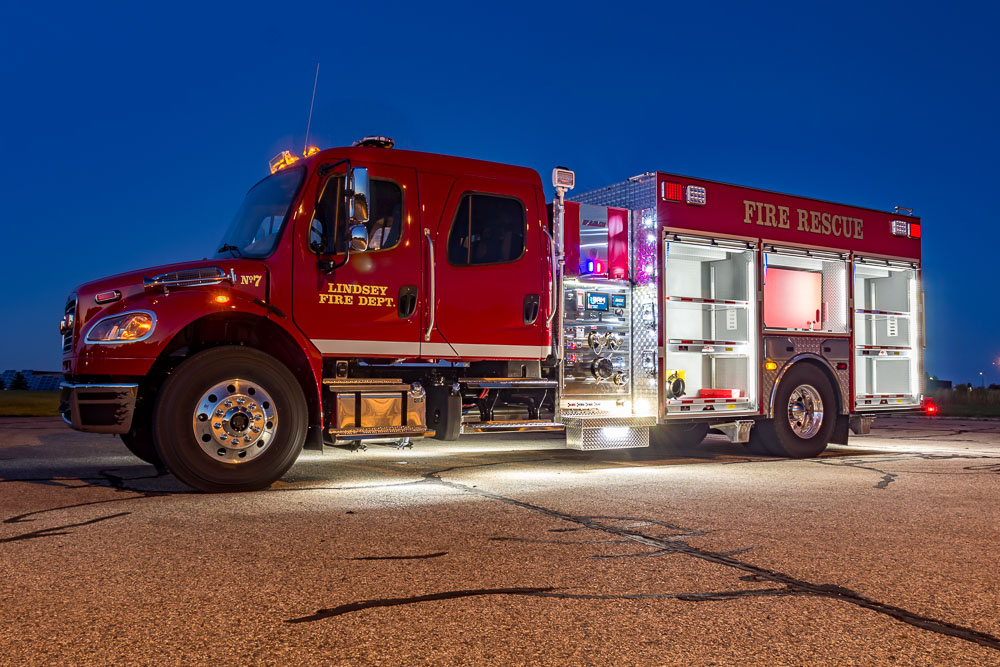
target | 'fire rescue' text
x=816, y=222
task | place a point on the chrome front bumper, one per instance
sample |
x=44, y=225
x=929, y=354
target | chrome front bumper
x=98, y=408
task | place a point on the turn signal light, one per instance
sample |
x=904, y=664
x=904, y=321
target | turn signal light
x=770, y=366
x=221, y=298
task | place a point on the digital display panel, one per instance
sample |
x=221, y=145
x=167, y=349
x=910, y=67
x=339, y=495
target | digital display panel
x=597, y=301
x=617, y=300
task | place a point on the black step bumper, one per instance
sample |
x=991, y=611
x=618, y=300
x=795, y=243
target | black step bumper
x=98, y=408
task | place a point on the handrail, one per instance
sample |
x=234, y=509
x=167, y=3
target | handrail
x=430, y=246
x=552, y=260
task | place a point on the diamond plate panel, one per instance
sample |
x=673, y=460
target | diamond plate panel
x=803, y=345
x=638, y=194
x=835, y=294
x=608, y=433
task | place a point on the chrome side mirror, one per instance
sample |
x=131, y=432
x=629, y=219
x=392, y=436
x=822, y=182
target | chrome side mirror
x=358, y=238
x=358, y=192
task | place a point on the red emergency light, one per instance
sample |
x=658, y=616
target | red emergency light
x=930, y=407
x=671, y=191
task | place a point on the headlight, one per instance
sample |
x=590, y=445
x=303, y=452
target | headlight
x=125, y=328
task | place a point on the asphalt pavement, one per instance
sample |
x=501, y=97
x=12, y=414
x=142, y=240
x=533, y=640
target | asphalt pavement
x=509, y=550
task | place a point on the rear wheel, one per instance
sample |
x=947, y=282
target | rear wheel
x=804, y=415
x=667, y=437
x=230, y=419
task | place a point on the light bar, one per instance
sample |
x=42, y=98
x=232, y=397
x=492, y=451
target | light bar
x=695, y=195
x=281, y=160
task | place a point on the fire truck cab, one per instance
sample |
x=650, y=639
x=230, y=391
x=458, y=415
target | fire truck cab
x=366, y=294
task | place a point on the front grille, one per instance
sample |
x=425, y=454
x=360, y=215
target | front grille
x=207, y=275
x=69, y=315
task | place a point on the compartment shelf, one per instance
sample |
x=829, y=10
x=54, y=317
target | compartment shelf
x=710, y=302
x=893, y=313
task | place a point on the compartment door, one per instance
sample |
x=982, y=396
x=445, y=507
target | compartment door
x=887, y=336
x=710, y=332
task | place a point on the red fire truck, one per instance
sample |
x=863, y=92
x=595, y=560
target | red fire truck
x=367, y=293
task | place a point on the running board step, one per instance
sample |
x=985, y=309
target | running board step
x=508, y=383
x=362, y=433
x=349, y=385
x=518, y=426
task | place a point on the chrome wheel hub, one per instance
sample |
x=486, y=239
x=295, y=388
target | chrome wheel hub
x=235, y=421
x=805, y=411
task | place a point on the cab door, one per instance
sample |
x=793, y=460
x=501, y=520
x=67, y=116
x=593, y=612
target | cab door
x=370, y=306
x=489, y=274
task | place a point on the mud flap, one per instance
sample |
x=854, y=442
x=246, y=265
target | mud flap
x=444, y=412
x=314, y=439
x=840, y=430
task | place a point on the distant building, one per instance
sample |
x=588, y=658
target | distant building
x=37, y=380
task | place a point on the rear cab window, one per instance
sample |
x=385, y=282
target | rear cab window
x=487, y=229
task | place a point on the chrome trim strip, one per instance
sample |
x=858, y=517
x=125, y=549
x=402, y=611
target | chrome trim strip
x=87, y=340
x=434, y=350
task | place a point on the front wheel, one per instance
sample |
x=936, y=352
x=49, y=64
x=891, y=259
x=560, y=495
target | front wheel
x=804, y=415
x=230, y=419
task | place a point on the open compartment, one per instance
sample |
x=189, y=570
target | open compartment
x=709, y=321
x=886, y=348
x=805, y=290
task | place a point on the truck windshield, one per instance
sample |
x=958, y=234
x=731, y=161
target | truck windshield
x=257, y=225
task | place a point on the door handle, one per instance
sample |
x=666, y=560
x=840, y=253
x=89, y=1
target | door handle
x=407, y=302
x=430, y=252
x=530, y=311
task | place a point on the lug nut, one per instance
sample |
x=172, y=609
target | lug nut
x=228, y=404
x=240, y=401
x=246, y=438
x=256, y=429
x=223, y=436
x=219, y=413
x=216, y=425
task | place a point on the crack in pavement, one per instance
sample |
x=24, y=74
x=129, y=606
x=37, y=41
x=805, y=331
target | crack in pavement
x=60, y=530
x=789, y=585
x=436, y=554
x=547, y=592
x=887, y=477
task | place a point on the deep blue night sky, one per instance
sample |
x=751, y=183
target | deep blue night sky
x=130, y=134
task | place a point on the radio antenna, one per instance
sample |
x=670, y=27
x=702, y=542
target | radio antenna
x=305, y=149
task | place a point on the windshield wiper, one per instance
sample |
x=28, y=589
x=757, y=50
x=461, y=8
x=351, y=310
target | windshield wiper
x=233, y=250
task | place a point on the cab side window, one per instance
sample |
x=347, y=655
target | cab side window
x=488, y=229
x=385, y=221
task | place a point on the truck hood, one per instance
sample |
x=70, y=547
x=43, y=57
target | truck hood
x=246, y=276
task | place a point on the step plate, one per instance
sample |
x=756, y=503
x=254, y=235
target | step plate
x=608, y=432
x=508, y=383
x=379, y=432
x=517, y=427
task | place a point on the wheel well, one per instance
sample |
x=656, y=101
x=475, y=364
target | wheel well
x=831, y=378
x=241, y=329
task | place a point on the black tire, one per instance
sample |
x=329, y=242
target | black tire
x=790, y=434
x=179, y=411
x=669, y=437
x=139, y=441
